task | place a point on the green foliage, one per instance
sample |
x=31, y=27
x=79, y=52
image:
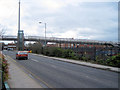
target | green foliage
x=111, y=61
x=52, y=51
x=5, y=69
x=69, y=54
x=85, y=58
x=114, y=61
x=36, y=47
x=59, y=52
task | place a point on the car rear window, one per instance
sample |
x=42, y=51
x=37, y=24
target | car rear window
x=22, y=53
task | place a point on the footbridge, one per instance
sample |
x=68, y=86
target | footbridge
x=59, y=40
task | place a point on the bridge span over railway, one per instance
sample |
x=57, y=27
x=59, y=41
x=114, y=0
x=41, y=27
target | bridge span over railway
x=59, y=40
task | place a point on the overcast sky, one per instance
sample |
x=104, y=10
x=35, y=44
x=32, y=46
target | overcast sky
x=95, y=20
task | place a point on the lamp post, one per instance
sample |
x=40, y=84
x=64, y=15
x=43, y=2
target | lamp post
x=45, y=32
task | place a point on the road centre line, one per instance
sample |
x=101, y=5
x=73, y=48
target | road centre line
x=44, y=63
x=53, y=66
x=34, y=60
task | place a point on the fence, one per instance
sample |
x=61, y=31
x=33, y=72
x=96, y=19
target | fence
x=93, y=52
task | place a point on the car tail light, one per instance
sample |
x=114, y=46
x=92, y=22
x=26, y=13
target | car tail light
x=19, y=55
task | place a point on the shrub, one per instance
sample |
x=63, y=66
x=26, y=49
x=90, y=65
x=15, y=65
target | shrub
x=114, y=61
x=84, y=58
x=111, y=61
x=5, y=69
x=36, y=48
x=58, y=52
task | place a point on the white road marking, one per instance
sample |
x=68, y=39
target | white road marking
x=53, y=66
x=34, y=60
x=44, y=63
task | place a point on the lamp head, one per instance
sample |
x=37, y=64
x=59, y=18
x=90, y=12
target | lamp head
x=40, y=22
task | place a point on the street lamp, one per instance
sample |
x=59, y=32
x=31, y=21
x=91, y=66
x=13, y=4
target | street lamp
x=45, y=32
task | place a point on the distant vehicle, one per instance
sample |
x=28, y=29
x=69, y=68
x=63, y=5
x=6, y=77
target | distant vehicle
x=10, y=49
x=21, y=55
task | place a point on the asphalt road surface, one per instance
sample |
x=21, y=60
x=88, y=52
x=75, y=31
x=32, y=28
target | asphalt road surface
x=57, y=74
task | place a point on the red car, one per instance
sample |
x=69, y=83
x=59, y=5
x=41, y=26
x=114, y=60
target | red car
x=21, y=55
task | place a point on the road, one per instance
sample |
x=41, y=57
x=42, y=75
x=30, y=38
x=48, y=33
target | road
x=58, y=74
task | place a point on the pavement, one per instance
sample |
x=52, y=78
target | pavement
x=114, y=69
x=18, y=78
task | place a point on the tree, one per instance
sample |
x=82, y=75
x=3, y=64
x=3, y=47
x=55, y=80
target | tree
x=35, y=47
x=2, y=30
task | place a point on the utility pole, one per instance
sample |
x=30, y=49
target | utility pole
x=19, y=17
x=45, y=32
x=18, y=36
x=20, y=42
